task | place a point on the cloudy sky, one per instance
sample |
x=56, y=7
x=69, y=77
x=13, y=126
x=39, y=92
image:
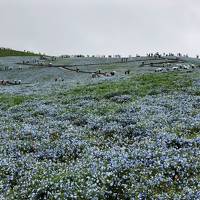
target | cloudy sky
x=101, y=26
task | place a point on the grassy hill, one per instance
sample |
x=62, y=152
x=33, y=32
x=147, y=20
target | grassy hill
x=131, y=136
x=4, y=52
x=136, y=137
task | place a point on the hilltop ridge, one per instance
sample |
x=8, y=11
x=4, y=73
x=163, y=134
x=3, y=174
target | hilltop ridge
x=5, y=52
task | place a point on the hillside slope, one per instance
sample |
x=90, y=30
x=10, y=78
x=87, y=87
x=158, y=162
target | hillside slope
x=133, y=138
x=4, y=52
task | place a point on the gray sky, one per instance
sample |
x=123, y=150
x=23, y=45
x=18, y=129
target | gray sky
x=101, y=26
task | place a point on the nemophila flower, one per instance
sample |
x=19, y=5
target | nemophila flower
x=62, y=149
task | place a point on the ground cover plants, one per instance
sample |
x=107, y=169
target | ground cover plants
x=11, y=52
x=131, y=138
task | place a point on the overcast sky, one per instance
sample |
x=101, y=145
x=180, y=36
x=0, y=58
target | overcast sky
x=101, y=26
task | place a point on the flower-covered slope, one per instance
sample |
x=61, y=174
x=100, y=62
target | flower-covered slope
x=137, y=138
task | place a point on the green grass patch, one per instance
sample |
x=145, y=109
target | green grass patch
x=193, y=132
x=10, y=52
x=188, y=133
x=13, y=100
x=148, y=84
